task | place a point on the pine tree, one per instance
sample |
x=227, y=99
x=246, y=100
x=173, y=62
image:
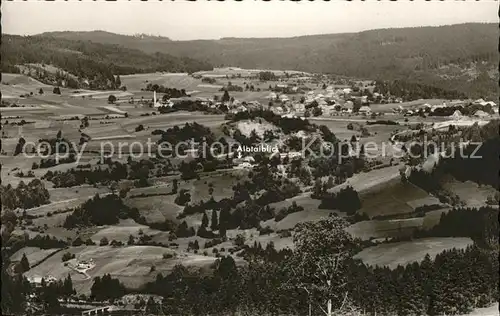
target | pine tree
x=131, y=240
x=226, y=97
x=25, y=265
x=215, y=223
x=68, y=286
x=175, y=186
x=204, y=220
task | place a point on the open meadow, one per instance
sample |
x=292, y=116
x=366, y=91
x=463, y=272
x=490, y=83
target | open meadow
x=406, y=252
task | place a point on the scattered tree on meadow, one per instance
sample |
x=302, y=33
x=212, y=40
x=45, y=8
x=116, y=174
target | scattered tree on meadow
x=25, y=265
x=204, y=220
x=111, y=99
x=225, y=97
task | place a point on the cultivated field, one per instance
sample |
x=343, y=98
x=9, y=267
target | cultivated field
x=131, y=264
x=405, y=252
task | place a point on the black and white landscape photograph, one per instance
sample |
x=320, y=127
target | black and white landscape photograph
x=250, y=158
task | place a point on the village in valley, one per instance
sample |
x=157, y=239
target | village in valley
x=164, y=185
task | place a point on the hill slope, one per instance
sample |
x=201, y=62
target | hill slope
x=88, y=60
x=463, y=57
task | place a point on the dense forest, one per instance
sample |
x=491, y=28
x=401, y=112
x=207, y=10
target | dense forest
x=456, y=57
x=89, y=60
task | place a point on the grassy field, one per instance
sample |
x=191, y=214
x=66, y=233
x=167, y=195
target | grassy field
x=33, y=254
x=122, y=231
x=293, y=219
x=156, y=208
x=396, y=198
x=171, y=80
x=62, y=194
x=403, y=253
x=372, y=181
x=385, y=228
x=471, y=193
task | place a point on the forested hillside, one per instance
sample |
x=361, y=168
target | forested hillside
x=88, y=60
x=460, y=57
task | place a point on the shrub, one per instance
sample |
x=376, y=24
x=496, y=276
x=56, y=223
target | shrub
x=239, y=240
x=89, y=242
x=265, y=231
x=67, y=256
x=168, y=255
x=104, y=241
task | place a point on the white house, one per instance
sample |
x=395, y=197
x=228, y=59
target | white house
x=272, y=96
x=299, y=107
x=284, y=98
x=278, y=110
x=244, y=165
x=481, y=113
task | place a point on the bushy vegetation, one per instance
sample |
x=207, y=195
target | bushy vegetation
x=346, y=200
x=282, y=213
x=168, y=92
x=24, y=195
x=106, y=288
x=409, y=91
x=99, y=211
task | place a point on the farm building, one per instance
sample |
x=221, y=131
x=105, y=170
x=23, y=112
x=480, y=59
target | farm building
x=291, y=154
x=85, y=265
x=365, y=110
x=284, y=98
x=348, y=105
x=299, y=107
x=37, y=280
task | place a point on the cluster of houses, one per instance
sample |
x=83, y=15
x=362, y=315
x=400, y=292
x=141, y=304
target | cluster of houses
x=334, y=101
x=293, y=100
x=457, y=114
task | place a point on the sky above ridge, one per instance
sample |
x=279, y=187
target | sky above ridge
x=184, y=20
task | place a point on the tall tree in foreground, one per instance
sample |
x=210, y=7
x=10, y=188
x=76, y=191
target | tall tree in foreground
x=318, y=265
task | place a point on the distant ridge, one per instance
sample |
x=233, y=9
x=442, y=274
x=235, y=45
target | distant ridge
x=460, y=57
